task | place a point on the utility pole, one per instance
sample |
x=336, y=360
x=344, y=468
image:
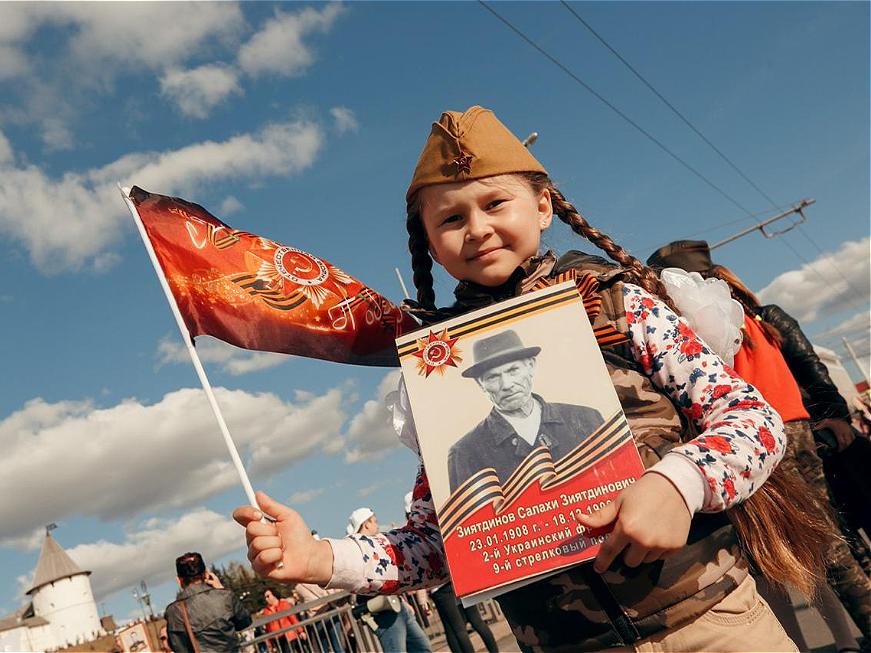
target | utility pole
x=798, y=208
x=855, y=359
x=138, y=598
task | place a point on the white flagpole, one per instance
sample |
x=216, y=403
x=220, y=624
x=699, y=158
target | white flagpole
x=402, y=283
x=189, y=343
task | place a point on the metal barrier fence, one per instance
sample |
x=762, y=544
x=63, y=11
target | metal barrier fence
x=335, y=629
x=330, y=630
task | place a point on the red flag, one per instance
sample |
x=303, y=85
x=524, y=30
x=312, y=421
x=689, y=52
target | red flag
x=259, y=294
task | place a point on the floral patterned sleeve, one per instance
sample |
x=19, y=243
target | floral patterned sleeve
x=742, y=437
x=402, y=559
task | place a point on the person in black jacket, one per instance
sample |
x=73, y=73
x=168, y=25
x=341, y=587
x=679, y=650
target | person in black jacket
x=203, y=607
x=847, y=568
x=833, y=430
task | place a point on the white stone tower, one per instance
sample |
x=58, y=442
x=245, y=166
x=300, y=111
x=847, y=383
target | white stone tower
x=62, y=595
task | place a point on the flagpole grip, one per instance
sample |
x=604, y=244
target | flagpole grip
x=195, y=359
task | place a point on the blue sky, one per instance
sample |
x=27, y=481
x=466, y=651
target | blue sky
x=303, y=123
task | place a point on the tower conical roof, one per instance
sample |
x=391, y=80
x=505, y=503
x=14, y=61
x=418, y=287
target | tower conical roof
x=54, y=564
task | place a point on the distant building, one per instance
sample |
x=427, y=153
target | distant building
x=840, y=376
x=62, y=610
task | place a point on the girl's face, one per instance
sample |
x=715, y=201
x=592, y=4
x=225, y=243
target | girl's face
x=481, y=230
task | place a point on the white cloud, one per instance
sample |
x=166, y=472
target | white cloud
x=117, y=566
x=26, y=542
x=254, y=362
x=364, y=492
x=30, y=200
x=230, y=359
x=278, y=149
x=121, y=34
x=197, y=91
x=93, y=43
x=818, y=287
x=370, y=433
x=230, y=205
x=278, y=47
x=859, y=324
x=304, y=496
x=13, y=62
x=153, y=34
x=119, y=451
x=55, y=135
x=345, y=119
x=6, y=153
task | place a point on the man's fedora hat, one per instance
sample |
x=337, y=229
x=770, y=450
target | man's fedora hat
x=689, y=255
x=501, y=348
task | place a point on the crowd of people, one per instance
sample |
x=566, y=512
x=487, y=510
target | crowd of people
x=740, y=500
x=208, y=617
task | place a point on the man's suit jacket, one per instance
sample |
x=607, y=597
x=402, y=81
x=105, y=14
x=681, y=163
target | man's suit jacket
x=495, y=443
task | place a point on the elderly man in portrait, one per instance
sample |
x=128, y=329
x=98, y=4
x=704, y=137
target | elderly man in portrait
x=520, y=420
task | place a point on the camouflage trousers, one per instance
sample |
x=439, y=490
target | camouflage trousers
x=844, y=573
x=740, y=622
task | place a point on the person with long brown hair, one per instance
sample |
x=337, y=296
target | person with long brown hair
x=672, y=574
x=778, y=359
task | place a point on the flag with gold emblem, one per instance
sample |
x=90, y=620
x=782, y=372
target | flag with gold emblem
x=255, y=293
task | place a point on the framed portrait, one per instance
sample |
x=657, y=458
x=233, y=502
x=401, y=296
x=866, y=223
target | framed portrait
x=519, y=426
x=134, y=638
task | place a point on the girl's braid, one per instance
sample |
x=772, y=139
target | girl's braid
x=638, y=273
x=421, y=261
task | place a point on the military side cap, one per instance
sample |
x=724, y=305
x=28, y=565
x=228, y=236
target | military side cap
x=470, y=145
x=689, y=255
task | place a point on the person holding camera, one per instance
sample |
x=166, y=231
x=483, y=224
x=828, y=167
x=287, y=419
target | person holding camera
x=205, y=616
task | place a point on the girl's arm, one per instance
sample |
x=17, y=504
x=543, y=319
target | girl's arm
x=742, y=437
x=402, y=559
x=741, y=440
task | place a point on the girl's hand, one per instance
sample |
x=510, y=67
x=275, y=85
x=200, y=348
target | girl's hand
x=288, y=541
x=651, y=521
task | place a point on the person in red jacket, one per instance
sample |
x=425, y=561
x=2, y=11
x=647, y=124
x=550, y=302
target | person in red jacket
x=287, y=641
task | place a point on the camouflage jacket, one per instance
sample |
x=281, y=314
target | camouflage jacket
x=578, y=609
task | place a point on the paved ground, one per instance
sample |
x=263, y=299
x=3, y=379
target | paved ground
x=813, y=628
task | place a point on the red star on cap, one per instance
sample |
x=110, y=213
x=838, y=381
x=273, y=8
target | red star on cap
x=463, y=163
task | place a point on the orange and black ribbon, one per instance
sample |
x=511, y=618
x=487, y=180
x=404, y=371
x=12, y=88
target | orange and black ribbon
x=484, y=487
x=607, y=335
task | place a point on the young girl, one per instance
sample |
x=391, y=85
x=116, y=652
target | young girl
x=671, y=575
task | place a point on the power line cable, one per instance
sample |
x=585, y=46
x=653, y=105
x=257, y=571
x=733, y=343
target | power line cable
x=611, y=106
x=719, y=225
x=647, y=134
x=696, y=130
x=851, y=301
x=667, y=103
x=860, y=328
x=829, y=261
